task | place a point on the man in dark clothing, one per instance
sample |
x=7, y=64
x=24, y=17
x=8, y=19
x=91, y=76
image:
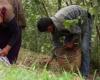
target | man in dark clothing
x=56, y=26
x=10, y=32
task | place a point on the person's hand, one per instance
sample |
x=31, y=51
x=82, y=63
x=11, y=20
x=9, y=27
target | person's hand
x=4, y=52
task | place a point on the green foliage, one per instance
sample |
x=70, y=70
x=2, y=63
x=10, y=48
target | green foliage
x=22, y=73
x=70, y=23
x=32, y=38
x=97, y=78
x=40, y=42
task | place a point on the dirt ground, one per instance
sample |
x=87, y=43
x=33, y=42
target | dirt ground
x=28, y=58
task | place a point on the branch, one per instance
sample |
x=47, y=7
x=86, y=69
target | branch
x=71, y=2
x=59, y=4
x=43, y=4
x=67, y=3
x=98, y=31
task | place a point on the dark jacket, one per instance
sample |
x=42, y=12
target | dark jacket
x=10, y=34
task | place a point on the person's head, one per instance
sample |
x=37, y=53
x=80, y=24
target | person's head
x=45, y=24
x=4, y=4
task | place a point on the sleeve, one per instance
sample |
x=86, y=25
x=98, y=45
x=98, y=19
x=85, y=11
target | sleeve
x=74, y=12
x=15, y=31
x=56, y=40
x=65, y=32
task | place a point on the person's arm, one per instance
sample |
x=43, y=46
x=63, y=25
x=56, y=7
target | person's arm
x=5, y=50
x=16, y=34
x=65, y=32
x=15, y=30
x=56, y=40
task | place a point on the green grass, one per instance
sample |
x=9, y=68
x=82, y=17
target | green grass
x=15, y=72
x=34, y=72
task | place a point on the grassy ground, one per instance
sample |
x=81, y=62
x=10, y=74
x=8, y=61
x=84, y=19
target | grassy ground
x=30, y=66
x=26, y=69
x=23, y=73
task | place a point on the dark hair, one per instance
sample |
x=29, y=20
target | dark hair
x=43, y=24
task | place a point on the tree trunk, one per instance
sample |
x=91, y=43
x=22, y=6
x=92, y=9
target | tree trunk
x=98, y=31
x=59, y=4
